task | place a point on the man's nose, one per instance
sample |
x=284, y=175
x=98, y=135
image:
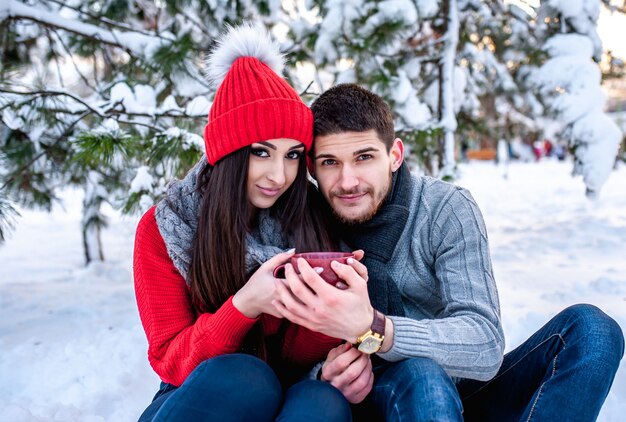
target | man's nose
x=349, y=178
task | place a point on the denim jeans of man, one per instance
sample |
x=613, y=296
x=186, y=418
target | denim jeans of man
x=563, y=372
x=239, y=387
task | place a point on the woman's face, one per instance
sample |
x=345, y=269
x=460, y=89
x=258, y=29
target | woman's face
x=272, y=168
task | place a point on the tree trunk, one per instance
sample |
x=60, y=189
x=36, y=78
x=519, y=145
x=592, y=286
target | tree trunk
x=447, y=117
x=93, y=220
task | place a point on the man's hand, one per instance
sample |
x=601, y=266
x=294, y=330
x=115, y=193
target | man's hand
x=309, y=301
x=350, y=371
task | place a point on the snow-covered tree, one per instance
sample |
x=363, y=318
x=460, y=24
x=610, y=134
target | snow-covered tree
x=569, y=86
x=496, y=40
x=93, y=92
x=440, y=65
x=108, y=95
x=394, y=48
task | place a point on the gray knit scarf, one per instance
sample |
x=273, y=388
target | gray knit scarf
x=177, y=219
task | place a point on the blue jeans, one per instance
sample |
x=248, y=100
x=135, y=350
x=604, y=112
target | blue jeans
x=563, y=372
x=240, y=387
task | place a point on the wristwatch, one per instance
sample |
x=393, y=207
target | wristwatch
x=372, y=340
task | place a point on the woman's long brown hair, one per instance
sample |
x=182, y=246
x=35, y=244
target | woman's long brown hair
x=218, y=267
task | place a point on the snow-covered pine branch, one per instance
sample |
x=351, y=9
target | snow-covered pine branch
x=92, y=91
x=137, y=43
x=122, y=105
x=613, y=7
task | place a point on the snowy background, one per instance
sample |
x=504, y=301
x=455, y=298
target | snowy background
x=71, y=343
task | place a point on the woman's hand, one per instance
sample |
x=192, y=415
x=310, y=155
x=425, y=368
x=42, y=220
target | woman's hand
x=360, y=268
x=255, y=297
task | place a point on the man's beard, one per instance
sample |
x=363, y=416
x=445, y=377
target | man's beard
x=379, y=201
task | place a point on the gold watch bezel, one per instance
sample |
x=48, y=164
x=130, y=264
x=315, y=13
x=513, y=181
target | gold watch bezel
x=363, y=341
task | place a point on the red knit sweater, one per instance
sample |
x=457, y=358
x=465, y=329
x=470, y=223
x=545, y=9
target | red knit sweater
x=178, y=341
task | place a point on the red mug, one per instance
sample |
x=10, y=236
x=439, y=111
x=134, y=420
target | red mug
x=317, y=259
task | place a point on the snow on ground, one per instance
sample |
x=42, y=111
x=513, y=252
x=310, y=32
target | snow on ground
x=72, y=347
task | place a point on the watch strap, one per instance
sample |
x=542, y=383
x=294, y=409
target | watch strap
x=378, y=324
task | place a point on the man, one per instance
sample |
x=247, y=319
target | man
x=423, y=303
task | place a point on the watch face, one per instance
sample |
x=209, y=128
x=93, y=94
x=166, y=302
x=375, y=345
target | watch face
x=370, y=345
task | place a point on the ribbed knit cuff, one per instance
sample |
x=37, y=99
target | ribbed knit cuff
x=316, y=372
x=228, y=323
x=410, y=339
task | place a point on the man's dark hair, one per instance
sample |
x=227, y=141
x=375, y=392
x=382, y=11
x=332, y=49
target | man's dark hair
x=350, y=108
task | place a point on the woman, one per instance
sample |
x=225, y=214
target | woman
x=204, y=256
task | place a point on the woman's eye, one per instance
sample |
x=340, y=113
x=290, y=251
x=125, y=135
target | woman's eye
x=259, y=152
x=294, y=155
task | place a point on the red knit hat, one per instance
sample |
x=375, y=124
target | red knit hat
x=253, y=103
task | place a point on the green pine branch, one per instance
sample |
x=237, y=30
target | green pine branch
x=8, y=216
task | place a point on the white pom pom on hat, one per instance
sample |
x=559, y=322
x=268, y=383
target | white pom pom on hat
x=253, y=103
x=247, y=40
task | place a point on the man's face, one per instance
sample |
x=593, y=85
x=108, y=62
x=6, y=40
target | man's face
x=354, y=171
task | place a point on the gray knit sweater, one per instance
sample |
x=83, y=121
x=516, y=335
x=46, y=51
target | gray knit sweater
x=443, y=270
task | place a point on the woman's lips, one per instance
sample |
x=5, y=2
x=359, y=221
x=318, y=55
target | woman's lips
x=269, y=191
